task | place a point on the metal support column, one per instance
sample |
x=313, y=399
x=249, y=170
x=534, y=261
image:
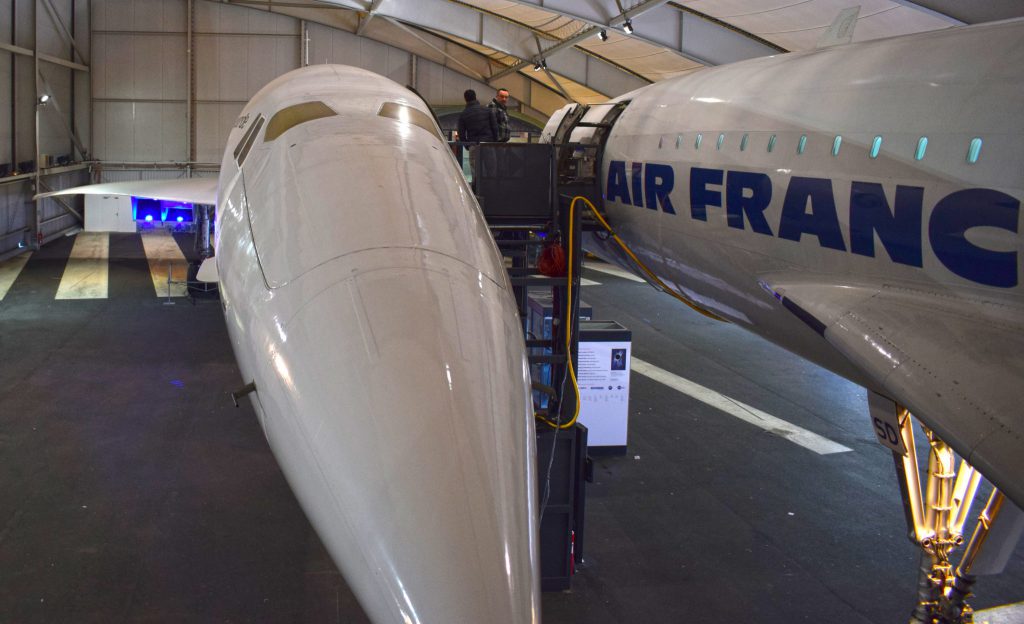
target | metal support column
x=190, y=107
x=37, y=234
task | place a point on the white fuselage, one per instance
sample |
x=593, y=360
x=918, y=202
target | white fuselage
x=366, y=299
x=858, y=205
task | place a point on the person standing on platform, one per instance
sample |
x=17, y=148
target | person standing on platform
x=499, y=106
x=476, y=123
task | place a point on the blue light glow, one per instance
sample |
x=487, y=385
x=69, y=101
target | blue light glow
x=180, y=219
x=149, y=217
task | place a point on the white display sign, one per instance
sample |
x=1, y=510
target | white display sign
x=603, y=378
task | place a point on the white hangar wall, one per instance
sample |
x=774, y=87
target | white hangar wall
x=140, y=73
x=27, y=26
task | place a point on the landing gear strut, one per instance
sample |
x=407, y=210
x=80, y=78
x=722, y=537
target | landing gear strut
x=936, y=516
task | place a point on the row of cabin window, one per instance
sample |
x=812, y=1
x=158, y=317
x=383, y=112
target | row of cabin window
x=973, y=151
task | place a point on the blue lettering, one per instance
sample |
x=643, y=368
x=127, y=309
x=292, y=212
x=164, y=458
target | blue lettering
x=821, y=221
x=960, y=211
x=618, y=188
x=638, y=198
x=899, y=230
x=737, y=203
x=658, y=183
x=700, y=196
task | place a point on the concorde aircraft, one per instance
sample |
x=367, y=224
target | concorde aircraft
x=858, y=205
x=370, y=311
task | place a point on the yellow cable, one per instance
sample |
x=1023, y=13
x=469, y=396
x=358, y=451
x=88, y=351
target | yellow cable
x=569, y=318
x=640, y=264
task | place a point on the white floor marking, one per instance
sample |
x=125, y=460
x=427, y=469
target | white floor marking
x=613, y=270
x=585, y=282
x=88, y=268
x=161, y=251
x=797, y=435
x=9, y=271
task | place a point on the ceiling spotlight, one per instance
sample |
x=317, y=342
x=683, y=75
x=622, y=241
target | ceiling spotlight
x=628, y=26
x=603, y=35
x=541, y=65
x=44, y=98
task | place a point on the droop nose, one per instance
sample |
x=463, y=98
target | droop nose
x=411, y=441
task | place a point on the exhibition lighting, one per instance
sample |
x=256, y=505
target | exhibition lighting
x=603, y=35
x=628, y=26
x=44, y=98
x=541, y=65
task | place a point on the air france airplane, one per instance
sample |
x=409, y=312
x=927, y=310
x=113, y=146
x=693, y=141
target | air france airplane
x=370, y=309
x=858, y=205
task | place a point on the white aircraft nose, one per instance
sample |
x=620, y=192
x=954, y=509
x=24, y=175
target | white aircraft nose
x=405, y=429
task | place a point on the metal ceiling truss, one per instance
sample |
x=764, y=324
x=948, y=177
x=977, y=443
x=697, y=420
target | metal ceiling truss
x=462, y=21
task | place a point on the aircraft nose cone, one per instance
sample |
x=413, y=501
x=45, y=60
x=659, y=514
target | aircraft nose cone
x=411, y=441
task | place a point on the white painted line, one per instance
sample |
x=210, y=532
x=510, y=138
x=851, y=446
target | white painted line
x=585, y=282
x=613, y=270
x=161, y=251
x=88, y=268
x=10, y=270
x=797, y=435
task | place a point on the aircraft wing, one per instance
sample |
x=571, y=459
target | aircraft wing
x=192, y=190
x=956, y=363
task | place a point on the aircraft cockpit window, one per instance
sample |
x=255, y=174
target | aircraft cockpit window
x=771, y=143
x=243, y=147
x=974, y=151
x=409, y=115
x=876, y=146
x=743, y=142
x=922, y=146
x=721, y=139
x=801, y=144
x=291, y=116
x=696, y=142
x=836, y=142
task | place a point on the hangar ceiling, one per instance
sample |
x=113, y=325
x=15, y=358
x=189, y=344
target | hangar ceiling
x=491, y=39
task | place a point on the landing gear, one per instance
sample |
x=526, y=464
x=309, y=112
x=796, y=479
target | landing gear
x=936, y=516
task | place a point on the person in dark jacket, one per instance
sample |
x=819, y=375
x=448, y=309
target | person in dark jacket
x=476, y=123
x=498, y=105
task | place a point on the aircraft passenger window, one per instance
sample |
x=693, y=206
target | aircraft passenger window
x=836, y=142
x=771, y=143
x=974, y=151
x=922, y=146
x=743, y=142
x=802, y=144
x=876, y=145
x=410, y=115
x=661, y=142
x=721, y=139
x=291, y=116
x=696, y=142
x=679, y=140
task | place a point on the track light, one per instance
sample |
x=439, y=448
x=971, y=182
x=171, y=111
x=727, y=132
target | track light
x=603, y=35
x=44, y=98
x=627, y=26
x=541, y=65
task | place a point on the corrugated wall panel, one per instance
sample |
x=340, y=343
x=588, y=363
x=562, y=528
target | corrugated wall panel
x=150, y=67
x=223, y=18
x=214, y=122
x=139, y=15
x=139, y=131
x=235, y=67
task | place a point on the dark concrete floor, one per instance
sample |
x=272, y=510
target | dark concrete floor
x=131, y=490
